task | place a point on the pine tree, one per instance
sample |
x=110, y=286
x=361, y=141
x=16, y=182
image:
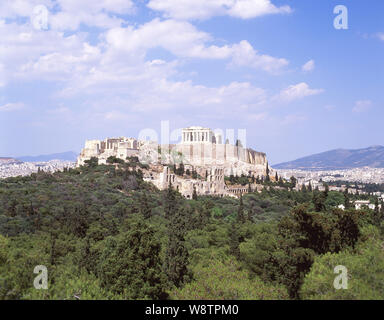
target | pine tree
x=240, y=212
x=145, y=209
x=347, y=203
x=326, y=190
x=293, y=181
x=319, y=199
x=130, y=264
x=181, y=169
x=382, y=211
x=176, y=256
x=170, y=202
x=234, y=243
x=194, y=195
x=376, y=206
x=249, y=215
x=276, y=177
x=377, y=214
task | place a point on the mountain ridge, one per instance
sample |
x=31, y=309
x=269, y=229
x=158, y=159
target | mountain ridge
x=338, y=159
x=67, y=156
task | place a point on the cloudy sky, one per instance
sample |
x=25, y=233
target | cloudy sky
x=277, y=68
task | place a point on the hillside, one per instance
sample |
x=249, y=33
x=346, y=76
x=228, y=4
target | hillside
x=338, y=159
x=102, y=229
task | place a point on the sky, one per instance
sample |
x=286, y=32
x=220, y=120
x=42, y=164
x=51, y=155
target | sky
x=72, y=70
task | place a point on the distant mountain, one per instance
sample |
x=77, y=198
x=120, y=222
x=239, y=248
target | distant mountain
x=338, y=159
x=68, y=156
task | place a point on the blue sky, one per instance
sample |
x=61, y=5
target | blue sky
x=277, y=68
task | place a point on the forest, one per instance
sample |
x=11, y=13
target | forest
x=105, y=233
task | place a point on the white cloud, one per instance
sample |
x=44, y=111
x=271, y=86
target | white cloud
x=71, y=13
x=243, y=54
x=20, y=8
x=298, y=91
x=11, y=107
x=380, y=35
x=101, y=13
x=184, y=40
x=309, y=66
x=362, y=106
x=114, y=78
x=247, y=9
x=26, y=53
x=203, y=9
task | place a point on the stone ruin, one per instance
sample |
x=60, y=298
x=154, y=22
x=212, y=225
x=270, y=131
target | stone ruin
x=200, y=150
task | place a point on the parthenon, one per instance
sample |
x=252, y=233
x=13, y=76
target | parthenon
x=197, y=134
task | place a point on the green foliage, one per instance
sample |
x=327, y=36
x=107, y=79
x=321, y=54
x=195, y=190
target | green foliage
x=234, y=241
x=130, y=264
x=115, y=160
x=104, y=233
x=365, y=267
x=240, y=212
x=92, y=163
x=176, y=259
x=225, y=280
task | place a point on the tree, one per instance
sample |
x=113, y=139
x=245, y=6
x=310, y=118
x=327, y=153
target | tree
x=176, y=255
x=145, y=208
x=226, y=280
x=92, y=163
x=347, y=202
x=276, y=177
x=194, y=195
x=319, y=199
x=365, y=276
x=130, y=264
x=240, y=211
x=293, y=182
x=170, y=203
x=180, y=171
x=114, y=160
x=234, y=242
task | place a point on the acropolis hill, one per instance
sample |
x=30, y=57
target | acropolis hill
x=200, y=150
